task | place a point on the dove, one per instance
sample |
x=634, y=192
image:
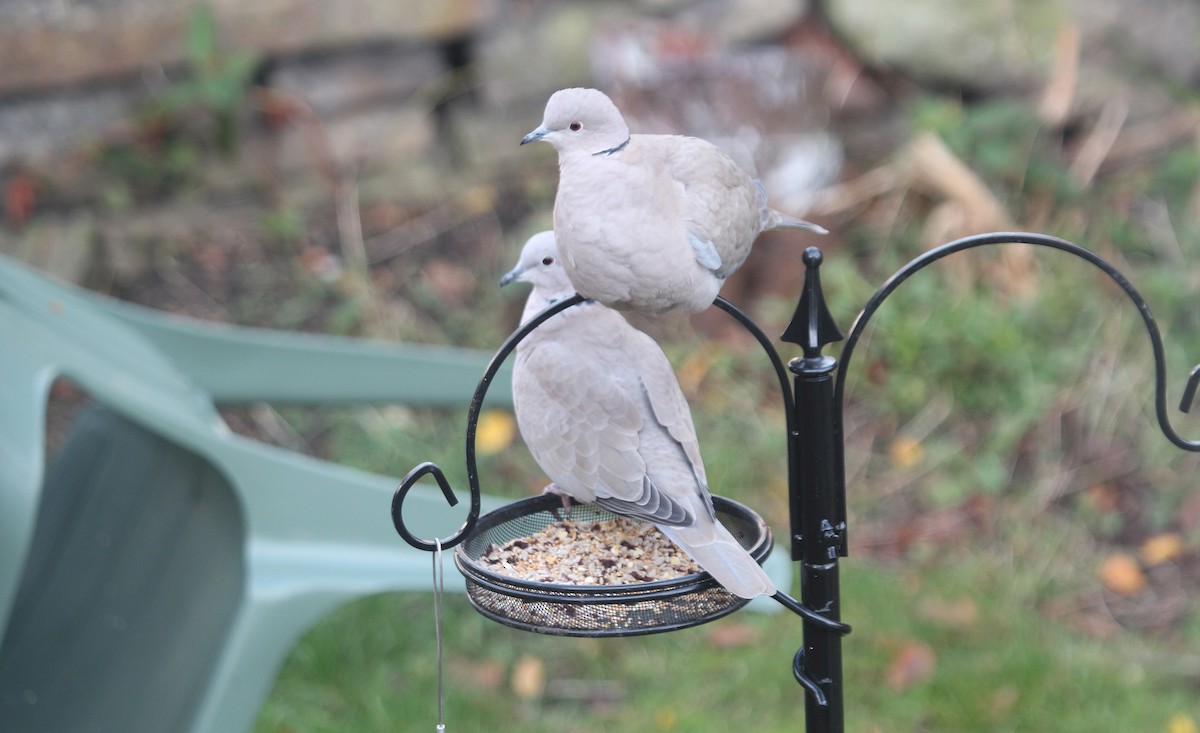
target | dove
x=598, y=406
x=648, y=222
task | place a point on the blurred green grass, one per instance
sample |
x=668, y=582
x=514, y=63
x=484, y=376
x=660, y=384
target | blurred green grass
x=371, y=667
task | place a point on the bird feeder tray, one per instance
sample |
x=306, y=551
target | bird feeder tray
x=628, y=609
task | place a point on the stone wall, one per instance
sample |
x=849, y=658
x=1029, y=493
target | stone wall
x=379, y=76
x=76, y=69
x=417, y=100
x=73, y=69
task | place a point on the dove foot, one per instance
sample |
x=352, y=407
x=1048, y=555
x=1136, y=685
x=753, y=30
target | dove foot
x=552, y=488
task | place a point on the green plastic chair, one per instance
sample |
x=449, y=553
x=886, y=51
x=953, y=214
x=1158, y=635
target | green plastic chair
x=155, y=575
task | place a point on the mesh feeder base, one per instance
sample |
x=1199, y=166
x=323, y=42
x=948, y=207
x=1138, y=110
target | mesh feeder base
x=628, y=609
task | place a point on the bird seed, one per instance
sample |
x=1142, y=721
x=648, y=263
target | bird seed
x=608, y=552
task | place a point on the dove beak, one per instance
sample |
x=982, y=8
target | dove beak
x=536, y=134
x=512, y=275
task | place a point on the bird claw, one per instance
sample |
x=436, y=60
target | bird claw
x=552, y=488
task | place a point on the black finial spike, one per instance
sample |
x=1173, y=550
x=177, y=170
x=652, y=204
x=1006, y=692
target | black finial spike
x=1189, y=392
x=812, y=326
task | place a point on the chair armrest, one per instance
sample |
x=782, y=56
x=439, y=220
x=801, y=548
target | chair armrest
x=241, y=364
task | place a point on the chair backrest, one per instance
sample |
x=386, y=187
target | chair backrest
x=130, y=585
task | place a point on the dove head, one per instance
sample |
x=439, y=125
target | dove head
x=581, y=120
x=538, y=265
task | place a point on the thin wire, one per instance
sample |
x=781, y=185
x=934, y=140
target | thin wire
x=439, y=589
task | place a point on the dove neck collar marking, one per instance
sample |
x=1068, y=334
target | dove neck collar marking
x=613, y=150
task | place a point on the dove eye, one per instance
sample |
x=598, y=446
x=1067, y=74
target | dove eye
x=576, y=126
x=547, y=260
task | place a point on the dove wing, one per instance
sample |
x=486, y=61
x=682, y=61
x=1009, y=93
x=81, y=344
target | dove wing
x=670, y=407
x=674, y=488
x=583, y=427
x=720, y=204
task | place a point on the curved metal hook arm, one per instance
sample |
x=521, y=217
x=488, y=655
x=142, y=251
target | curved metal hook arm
x=801, y=675
x=1042, y=240
x=409, y=480
x=781, y=373
x=472, y=422
x=810, y=615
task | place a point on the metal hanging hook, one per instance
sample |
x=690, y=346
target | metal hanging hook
x=1041, y=240
x=409, y=480
x=801, y=674
x=421, y=470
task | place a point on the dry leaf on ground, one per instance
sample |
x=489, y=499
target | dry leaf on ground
x=914, y=664
x=1161, y=548
x=1122, y=574
x=732, y=634
x=906, y=452
x=1182, y=723
x=528, y=678
x=962, y=613
x=495, y=431
x=481, y=674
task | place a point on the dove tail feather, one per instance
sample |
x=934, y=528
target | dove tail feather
x=723, y=557
x=783, y=221
x=769, y=219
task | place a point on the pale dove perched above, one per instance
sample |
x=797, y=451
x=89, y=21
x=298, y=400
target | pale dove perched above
x=600, y=410
x=648, y=222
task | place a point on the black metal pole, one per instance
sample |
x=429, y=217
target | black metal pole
x=817, y=502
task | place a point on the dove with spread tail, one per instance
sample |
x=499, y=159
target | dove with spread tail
x=599, y=407
x=648, y=222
